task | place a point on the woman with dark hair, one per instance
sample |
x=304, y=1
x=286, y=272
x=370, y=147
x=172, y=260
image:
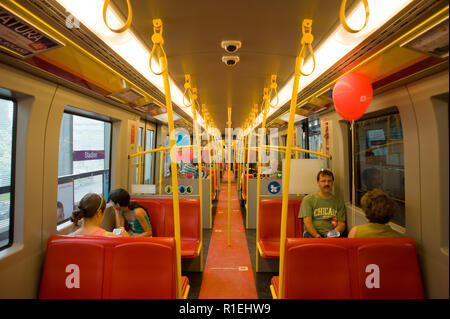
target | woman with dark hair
x=91, y=209
x=130, y=212
x=379, y=209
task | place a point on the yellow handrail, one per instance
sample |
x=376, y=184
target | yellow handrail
x=139, y=166
x=307, y=39
x=262, y=136
x=295, y=149
x=193, y=98
x=161, y=160
x=158, y=40
x=229, y=175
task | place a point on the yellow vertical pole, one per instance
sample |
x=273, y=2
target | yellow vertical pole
x=193, y=98
x=229, y=175
x=161, y=160
x=258, y=181
x=210, y=177
x=249, y=141
x=158, y=40
x=306, y=40
x=139, y=165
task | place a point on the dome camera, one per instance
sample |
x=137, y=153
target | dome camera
x=231, y=45
x=230, y=60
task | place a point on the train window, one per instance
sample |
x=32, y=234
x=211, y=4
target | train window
x=84, y=161
x=167, y=167
x=148, y=166
x=140, y=142
x=379, y=159
x=313, y=135
x=308, y=136
x=8, y=110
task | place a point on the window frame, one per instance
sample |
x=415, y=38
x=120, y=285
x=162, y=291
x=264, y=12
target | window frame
x=13, y=173
x=82, y=113
x=392, y=110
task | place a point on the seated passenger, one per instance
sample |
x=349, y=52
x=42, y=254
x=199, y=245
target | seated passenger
x=323, y=213
x=91, y=210
x=379, y=209
x=189, y=169
x=130, y=212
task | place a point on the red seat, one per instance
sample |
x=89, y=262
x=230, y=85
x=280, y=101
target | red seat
x=111, y=267
x=65, y=262
x=398, y=270
x=161, y=211
x=142, y=259
x=339, y=268
x=189, y=225
x=270, y=224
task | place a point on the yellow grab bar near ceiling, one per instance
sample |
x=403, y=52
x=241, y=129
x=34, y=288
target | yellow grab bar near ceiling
x=127, y=23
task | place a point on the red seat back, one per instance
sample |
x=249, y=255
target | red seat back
x=270, y=218
x=189, y=218
x=110, y=267
x=156, y=214
x=348, y=268
x=316, y=270
x=143, y=271
x=397, y=268
x=72, y=269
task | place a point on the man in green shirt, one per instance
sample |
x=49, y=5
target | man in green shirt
x=323, y=213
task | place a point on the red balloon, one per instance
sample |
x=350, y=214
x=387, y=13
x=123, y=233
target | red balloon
x=352, y=94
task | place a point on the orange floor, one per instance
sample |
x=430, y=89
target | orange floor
x=228, y=272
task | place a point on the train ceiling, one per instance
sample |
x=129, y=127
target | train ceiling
x=270, y=32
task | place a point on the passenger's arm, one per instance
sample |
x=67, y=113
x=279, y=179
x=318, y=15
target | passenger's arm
x=140, y=215
x=307, y=221
x=120, y=222
x=352, y=232
x=340, y=227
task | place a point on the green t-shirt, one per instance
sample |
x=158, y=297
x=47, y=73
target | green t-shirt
x=322, y=211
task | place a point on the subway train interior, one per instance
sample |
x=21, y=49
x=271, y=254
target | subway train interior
x=188, y=149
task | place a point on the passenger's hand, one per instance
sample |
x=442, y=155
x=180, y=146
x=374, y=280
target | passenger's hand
x=124, y=232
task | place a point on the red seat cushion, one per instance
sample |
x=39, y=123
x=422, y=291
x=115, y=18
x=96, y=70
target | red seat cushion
x=189, y=248
x=270, y=248
x=184, y=284
x=68, y=262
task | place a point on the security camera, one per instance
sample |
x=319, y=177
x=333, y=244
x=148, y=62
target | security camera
x=230, y=60
x=231, y=45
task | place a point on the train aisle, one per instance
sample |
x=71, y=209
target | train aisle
x=228, y=272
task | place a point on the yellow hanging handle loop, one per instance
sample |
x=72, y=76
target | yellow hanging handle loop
x=127, y=23
x=273, y=87
x=307, y=39
x=344, y=22
x=157, y=40
x=187, y=88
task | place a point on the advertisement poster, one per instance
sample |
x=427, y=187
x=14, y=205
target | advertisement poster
x=21, y=38
x=65, y=201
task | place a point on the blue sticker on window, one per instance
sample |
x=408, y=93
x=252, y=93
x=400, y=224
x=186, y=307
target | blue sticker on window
x=182, y=189
x=274, y=187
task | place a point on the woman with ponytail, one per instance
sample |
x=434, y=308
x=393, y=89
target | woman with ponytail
x=91, y=209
